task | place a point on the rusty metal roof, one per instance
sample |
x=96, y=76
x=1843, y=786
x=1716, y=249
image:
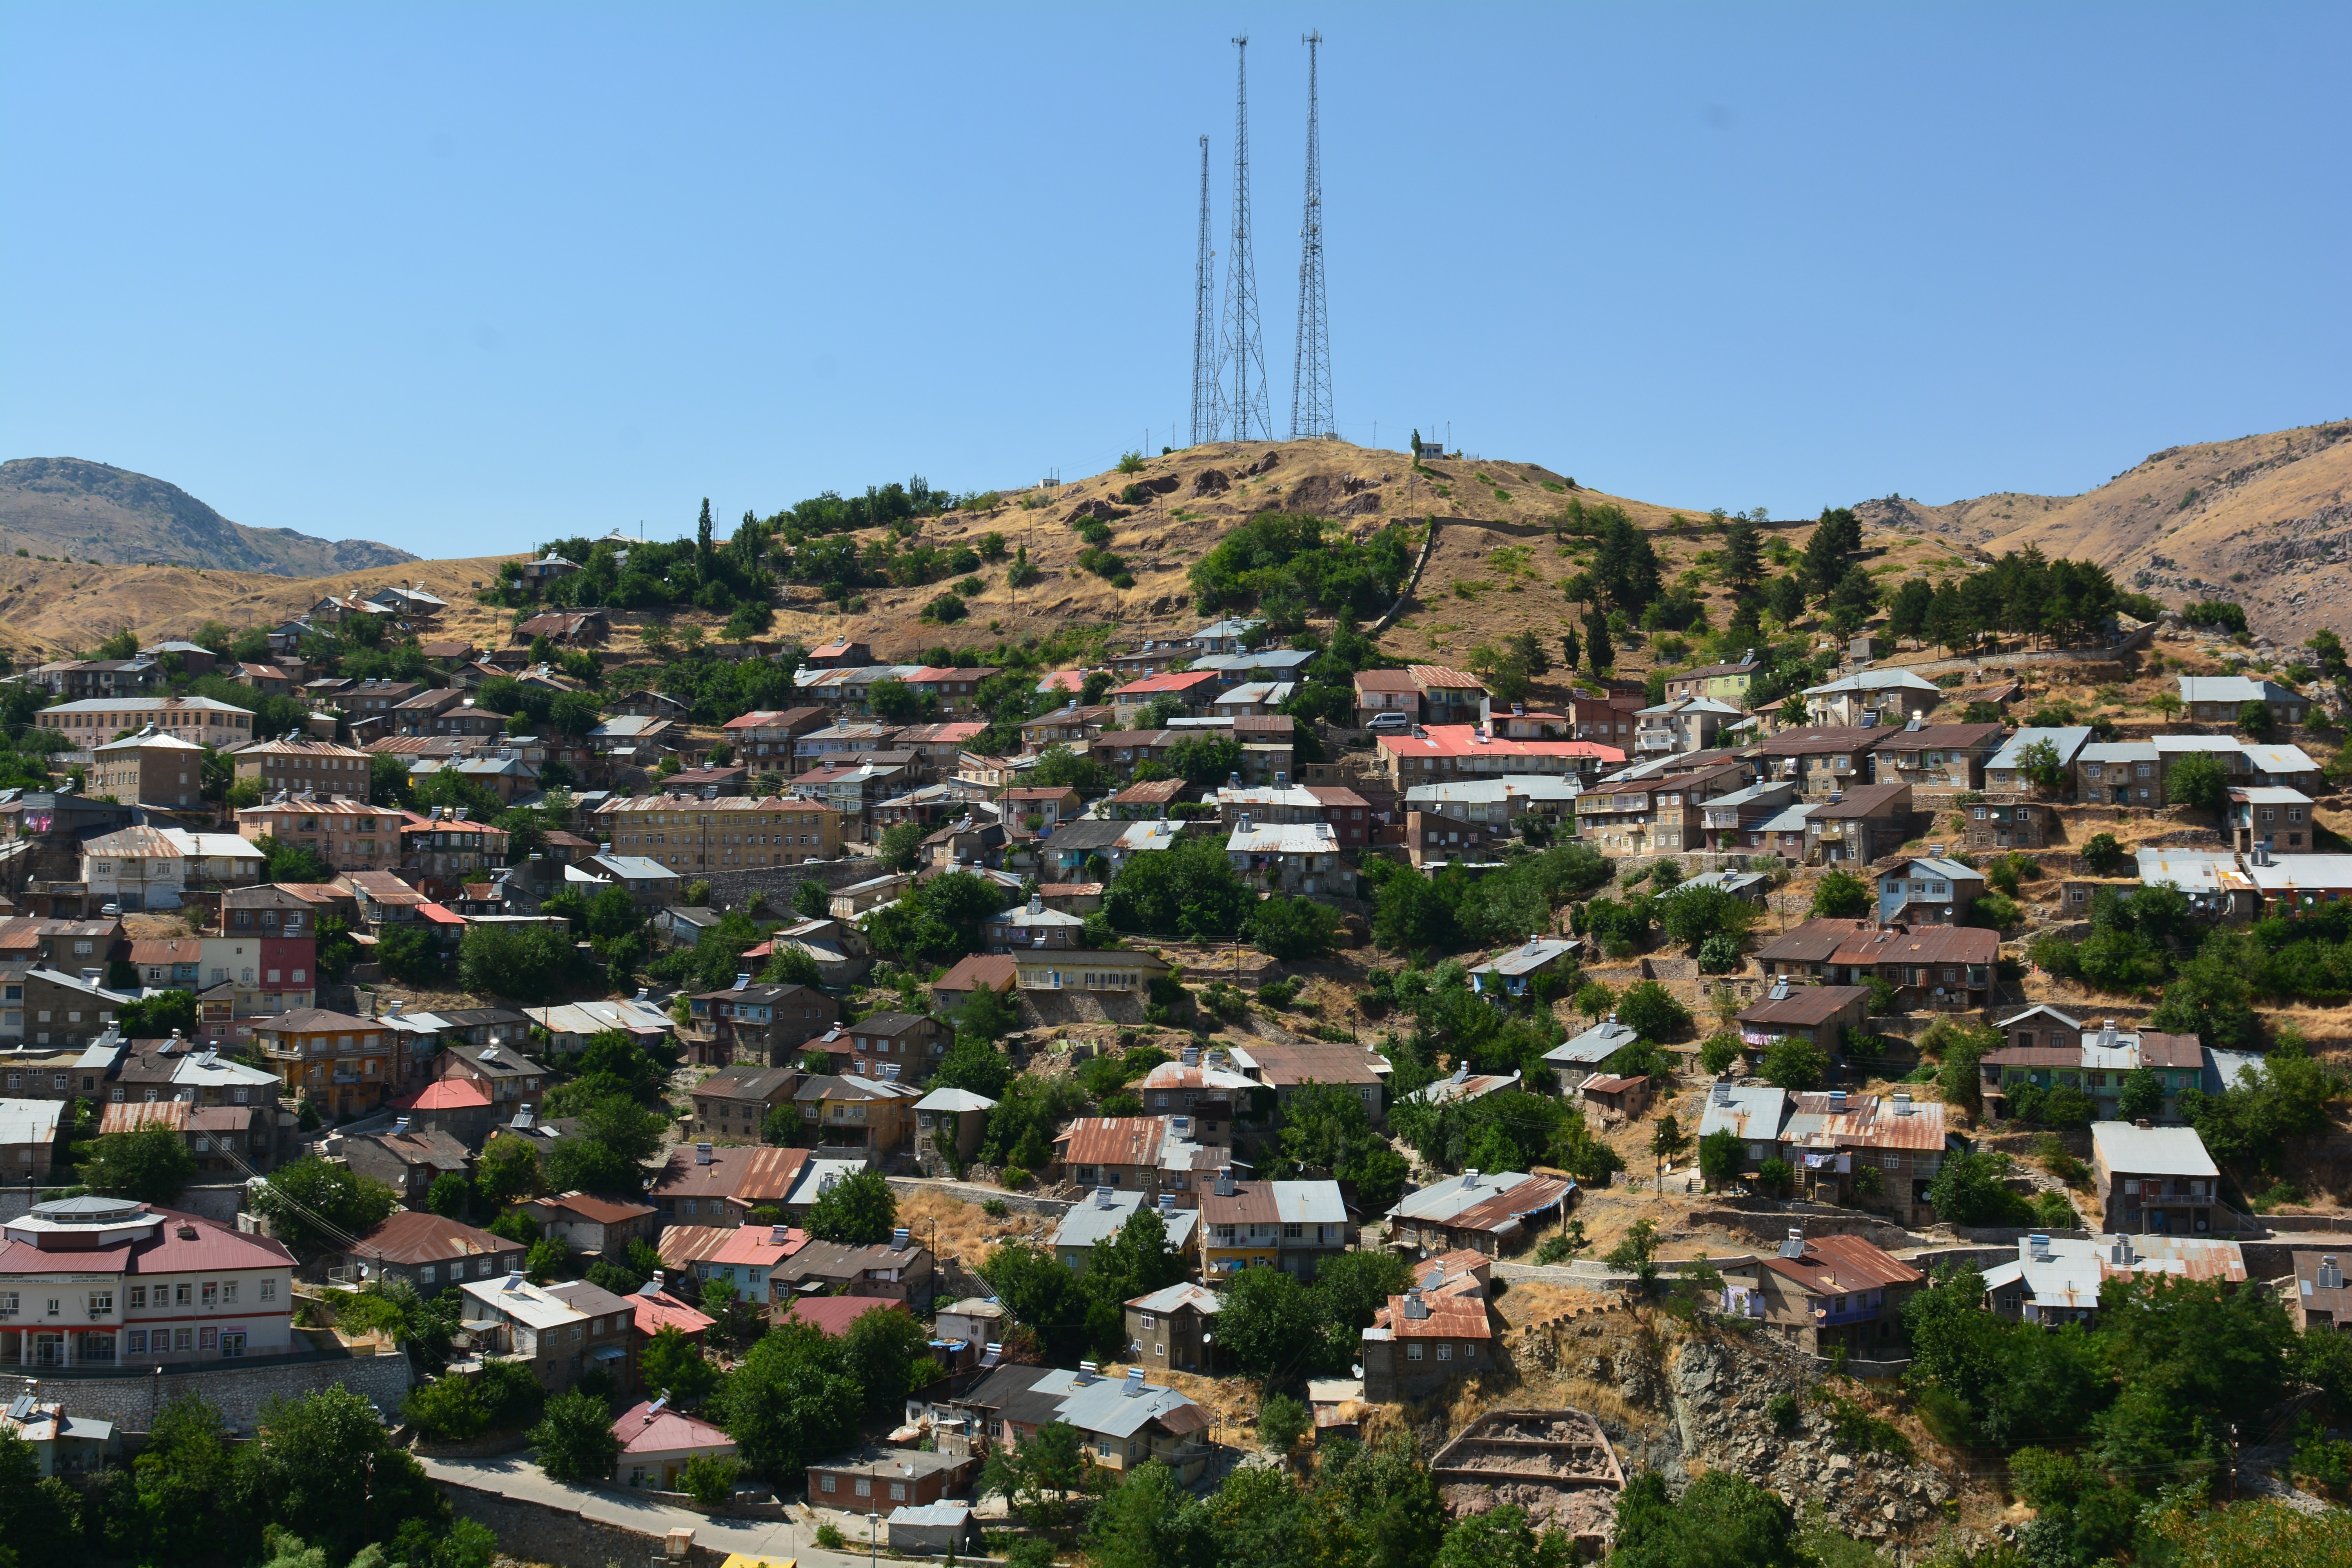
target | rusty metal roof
x=1836, y=1265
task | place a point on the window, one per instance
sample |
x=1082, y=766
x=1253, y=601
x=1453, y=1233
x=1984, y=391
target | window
x=1412, y=1352
x=101, y=1303
x=864, y=1485
x=426, y=1275
x=269, y=1289
x=897, y=1491
x=207, y=1338
x=212, y=1294
x=135, y=1341
x=182, y=1340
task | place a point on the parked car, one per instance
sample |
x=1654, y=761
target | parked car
x=1389, y=721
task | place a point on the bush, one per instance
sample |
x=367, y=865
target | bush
x=995, y=1208
x=710, y=1478
x=1794, y=1063
x=1995, y=912
x=2103, y=857
x=1718, y=955
x=1840, y=895
x=829, y=1537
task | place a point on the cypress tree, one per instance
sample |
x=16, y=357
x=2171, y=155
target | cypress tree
x=702, y=530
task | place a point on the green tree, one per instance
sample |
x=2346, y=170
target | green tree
x=150, y=1164
x=181, y=1482
x=451, y=1195
x=1636, y=1252
x=1269, y=1324
x=574, y=1440
x=290, y=862
x=1147, y=1520
x=793, y=1398
x=1969, y=1190
x=858, y=1210
x=812, y=899
x=1037, y=1480
x=2198, y=780
x=315, y=1205
x=1794, y=1063
x=1841, y=895
x=324, y=1466
x=1599, y=655
x=507, y=1171
x=2142, y=1097
x=1293, y=929
x=674, y=1365
x=1042, y=1295
x=1722, y=1521
x=1651, y=1010
x=1720, y=1156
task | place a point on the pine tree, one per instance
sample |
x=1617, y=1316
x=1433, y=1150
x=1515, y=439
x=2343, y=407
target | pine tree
x=1568, y=652
x=1828, y=551
x=1596, y=642
x=702, y=530
x=1743, y=558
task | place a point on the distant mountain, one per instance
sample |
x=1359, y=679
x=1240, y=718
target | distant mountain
x=65, y=506
x=2262, y=521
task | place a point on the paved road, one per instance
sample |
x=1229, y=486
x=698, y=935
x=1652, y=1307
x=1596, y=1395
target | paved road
x=515, y=1475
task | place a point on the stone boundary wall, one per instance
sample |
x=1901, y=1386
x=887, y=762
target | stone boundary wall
x=546, y=1532
x=130, y=1401
x=732, y=889
x=220, y=1205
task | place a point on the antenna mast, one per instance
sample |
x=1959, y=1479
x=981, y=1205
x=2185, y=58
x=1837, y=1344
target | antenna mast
x=1252, y=421
x=1208, y=372
x=1310, y=370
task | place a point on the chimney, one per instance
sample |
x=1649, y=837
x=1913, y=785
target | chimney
x=702, y=1154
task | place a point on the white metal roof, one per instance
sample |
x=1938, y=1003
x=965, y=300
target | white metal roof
x=1445, y=1199
x=2158, y=1150
x=1876, y=681
x=1751, y=1113
x=2290, y=873
x=2194, y=870
x=1597, y=1044
x=1284, y=838
x=2068, y=743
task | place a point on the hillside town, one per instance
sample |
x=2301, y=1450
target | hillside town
x=847, y=1100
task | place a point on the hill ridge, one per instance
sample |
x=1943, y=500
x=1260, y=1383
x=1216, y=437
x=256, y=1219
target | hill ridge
x=95, y=511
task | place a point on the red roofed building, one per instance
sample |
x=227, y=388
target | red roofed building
x=1446, y=752
x=657, y=1444
x=139, y=1284
x=1827, y=1292
x=832, y=1314
x=457, y=1106
x=1426, y=1338
x=656, y=1309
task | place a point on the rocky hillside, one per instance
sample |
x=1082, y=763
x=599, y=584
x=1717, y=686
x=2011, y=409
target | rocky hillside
x=90, y=511
x=2262, y=520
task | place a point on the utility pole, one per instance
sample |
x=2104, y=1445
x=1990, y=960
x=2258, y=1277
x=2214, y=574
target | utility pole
x=1251, y=419
x=1311, y=369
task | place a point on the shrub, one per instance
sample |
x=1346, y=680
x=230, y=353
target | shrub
x=829, y=1537
x=710, y=1478
x=2102, y=855
x=994, y=1208
x=1776, y=1176
x=1840, y=895
x=1651, y=1010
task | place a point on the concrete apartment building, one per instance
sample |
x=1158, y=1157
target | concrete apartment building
x=151, y=768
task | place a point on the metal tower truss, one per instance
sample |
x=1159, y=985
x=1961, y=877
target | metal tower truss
x=1208, y=370
x=1252, y=421
x=1310, y=370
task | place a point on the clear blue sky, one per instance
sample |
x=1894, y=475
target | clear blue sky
x=462, y=277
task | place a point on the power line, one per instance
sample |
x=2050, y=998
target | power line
x=1310, y=371
x=1251, y=419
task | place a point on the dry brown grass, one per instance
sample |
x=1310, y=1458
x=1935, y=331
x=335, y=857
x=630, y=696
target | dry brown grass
x=964, y=1231
x=2246, y=489
x=50, y=606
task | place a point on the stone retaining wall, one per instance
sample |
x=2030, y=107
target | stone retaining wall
x=130, y=1399
x=732, y=889
x=545, y=1532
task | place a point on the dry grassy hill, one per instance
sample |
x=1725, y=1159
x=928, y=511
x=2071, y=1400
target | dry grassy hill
x=56, y=608
x=2262, y=520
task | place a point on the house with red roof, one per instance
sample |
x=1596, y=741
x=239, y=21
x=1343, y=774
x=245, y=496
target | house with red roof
x=458, y=1106
x=831, y=1315
x=429, y=1251
x=655, y=1445
x=1443, y=753
x=656, y=1310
